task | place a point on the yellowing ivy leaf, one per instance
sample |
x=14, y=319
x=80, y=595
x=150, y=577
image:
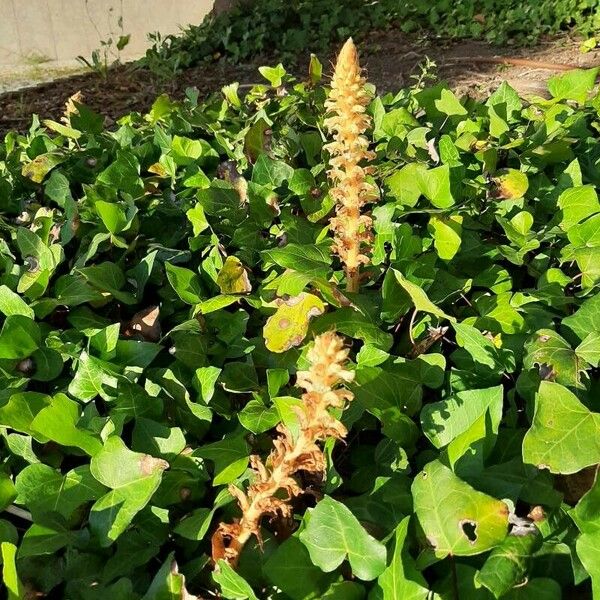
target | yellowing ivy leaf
x=233, y=278
x=288, y=326
x=457, y=519
x=510, y=184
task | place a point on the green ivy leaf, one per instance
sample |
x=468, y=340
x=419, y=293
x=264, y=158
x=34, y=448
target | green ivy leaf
x=402, y=579
x=463, y=419
x=564, y=436
x=12, y=304
x=168, y=583
x=435, y=186
x=185, y=282
x=291, y=570
x=577, y=204
x=20, y=337
x=10, y=577
x=573, y=85
x=273, y=173
x=230, y=457
x=258, y=418
x=446, y=235
x=507, y=566
x=333, y=534
x=549, y=350
x=42, y=489
x=60, y=422
x=233, y=586
x=132, y=478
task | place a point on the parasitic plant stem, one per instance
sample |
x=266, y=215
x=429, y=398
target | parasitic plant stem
x=274, y=484
x=347, y=123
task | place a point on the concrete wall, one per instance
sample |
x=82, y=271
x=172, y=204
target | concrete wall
x=60, y=30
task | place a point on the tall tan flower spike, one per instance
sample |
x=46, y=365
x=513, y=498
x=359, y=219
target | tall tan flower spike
x=348, y=122
x=274, y=484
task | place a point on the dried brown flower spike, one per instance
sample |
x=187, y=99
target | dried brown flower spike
x=274, y=484
x=348, y=122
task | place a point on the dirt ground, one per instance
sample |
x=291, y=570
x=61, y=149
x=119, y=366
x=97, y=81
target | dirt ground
x=391, y=59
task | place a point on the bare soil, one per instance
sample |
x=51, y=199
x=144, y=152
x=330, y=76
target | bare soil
x=392, y=60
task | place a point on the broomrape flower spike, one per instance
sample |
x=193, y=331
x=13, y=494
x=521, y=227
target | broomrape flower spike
x=348, y=122
x=274, y=484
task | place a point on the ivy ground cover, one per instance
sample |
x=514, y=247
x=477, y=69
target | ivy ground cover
x=162, y=284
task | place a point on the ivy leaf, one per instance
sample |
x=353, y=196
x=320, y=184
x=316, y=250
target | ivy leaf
x=289, y=325
x=186, y=283
x=42, y=489
x=90, y=377
x=10, y=577
x=123, y=174
x=481, y=349
x=258, y=418
x=449, y=104
x=510, y=184
x=435, y=186
x=565, y=435
x=274, y=75
x=402, y=579
x=504, y=105
x=196, y=525
x=41, y=165
x=577, y=204
x=586, y=319
x=450, y=421
x=587, y=518
x=233, y=278
x=12, y=304
x=573, y=85
x=588, y=551
x=589, y=349
x=114, y=217
x=291, y=570
x=18, y=410
x=168, y=583
x=308, y=260
x=546, y=348
x=233, y=586
x=230, y=457
x=457, y=519
x=446, y=235
x=508, y=564
x=132, y=478
x=333, y=534
x=419, y=297
x=273, y=173
x=46, y=538
x=20, y=337
x=60, y=422
x=350, y=322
